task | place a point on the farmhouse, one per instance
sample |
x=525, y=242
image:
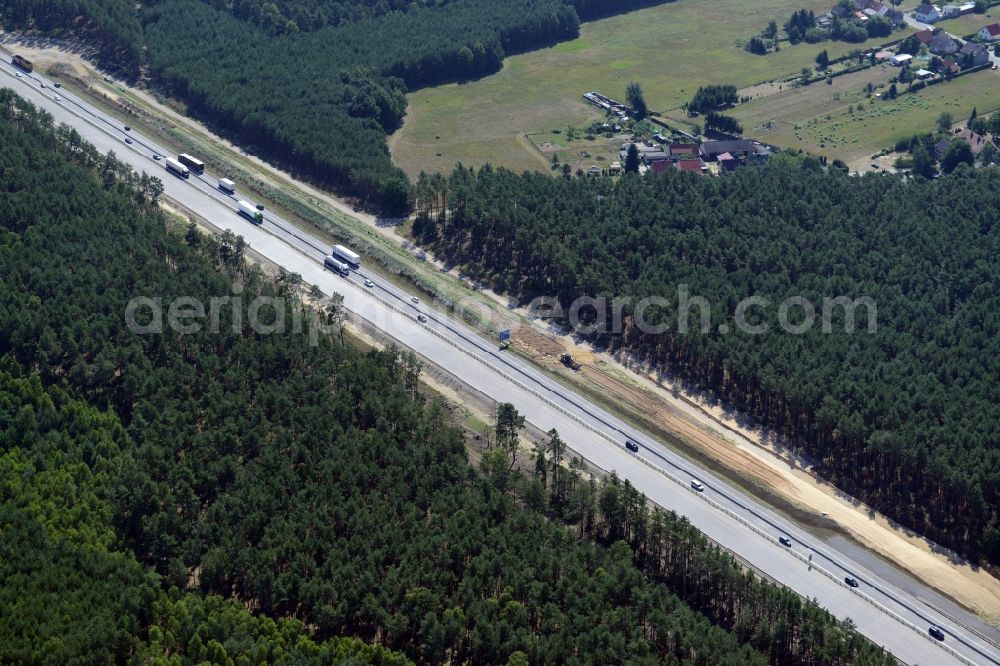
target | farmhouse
x=728, y=162
x=678, y=150
x=655, y=156
x=659, y=167
x=990, y=33
x=712, y=150
x=976, y=141
x=927, y=13
x=731, y=154
x=882, y=56
x=900, y=59
x=925, y=36
x=973, y=55
x=691, y=166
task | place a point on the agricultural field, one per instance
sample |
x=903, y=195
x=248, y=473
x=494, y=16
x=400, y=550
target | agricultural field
x=840, y=122
x=670, y=49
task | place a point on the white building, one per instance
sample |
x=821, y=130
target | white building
x=990, y=33
x=901, y=59
x=927, y=13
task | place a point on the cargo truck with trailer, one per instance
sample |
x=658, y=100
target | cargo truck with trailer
x=192, y=163
x=250, y=211
x=176, y=167
x=336, y=265
x=22, y=63
x=352, y=259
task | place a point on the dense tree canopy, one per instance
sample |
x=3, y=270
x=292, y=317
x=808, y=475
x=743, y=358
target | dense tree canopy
x=308, y=479
x=315, y=85
x=713, y=97
x=111, y=25
x=902, y=417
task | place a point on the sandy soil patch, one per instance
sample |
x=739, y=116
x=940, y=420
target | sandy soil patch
x=743, y=447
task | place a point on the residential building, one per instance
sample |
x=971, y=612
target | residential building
x=923, y=74
x=943, y=45
x=900, y=59
x=948, y=67
x=990, y=33
x=976, y=141
x=941, y=146
x=924, y=36
x=927, y=13
x=972, y=55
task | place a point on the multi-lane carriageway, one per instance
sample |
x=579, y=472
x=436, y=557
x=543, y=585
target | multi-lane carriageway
x=885, y=613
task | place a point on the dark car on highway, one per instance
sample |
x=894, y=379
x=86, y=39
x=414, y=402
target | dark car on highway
x=851, y=580
x=631, y=446
x=935, y=631
x=785, y=541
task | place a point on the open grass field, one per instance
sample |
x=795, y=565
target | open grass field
x=671, y=49
x=970, y=23
x=819, y=118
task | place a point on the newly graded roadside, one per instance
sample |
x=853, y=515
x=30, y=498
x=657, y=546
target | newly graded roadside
x=666, y=406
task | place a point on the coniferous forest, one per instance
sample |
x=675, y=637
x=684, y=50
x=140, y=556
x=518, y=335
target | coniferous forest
x=903, y=418
x=232, y=496
x=313, y=85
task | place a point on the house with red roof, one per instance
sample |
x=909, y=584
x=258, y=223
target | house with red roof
x=691, y=166
x=990, y=33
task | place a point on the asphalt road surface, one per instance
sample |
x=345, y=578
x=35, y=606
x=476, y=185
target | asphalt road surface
x=888, y=615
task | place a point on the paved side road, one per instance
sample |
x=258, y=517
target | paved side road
x=886, y=614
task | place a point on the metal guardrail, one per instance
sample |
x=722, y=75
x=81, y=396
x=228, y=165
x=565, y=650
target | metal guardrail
x=835, y=577
x=490, y=365
x=579, y=420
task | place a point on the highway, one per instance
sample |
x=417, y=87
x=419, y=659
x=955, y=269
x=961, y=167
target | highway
x=885, y=613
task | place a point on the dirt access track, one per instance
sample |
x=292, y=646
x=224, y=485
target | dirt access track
x=752, y=456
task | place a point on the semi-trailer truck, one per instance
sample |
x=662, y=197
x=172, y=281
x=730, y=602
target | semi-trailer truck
x=192, y=163
x=353, y=259
x=336, y=265
x=22, y=62
x=177, y=167
x=248, y=210
x=227, y=186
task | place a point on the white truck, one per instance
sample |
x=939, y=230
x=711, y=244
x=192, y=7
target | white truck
x=177, y=167
x=250, y=211
x=227, y=186
x=353, y=259
x=336, y=265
